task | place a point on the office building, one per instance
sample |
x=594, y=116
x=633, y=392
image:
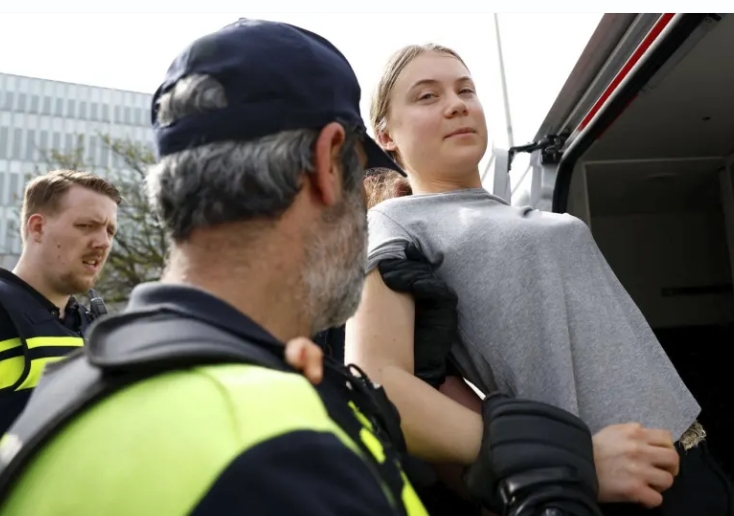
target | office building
x=38, y=115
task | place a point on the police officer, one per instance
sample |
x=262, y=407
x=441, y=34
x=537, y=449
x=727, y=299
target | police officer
x=184, y=403
x=68, y=220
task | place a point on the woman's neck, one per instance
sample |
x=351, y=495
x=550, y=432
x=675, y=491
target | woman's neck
x=437, y=184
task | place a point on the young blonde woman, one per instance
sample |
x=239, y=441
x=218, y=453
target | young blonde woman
x=541, y=314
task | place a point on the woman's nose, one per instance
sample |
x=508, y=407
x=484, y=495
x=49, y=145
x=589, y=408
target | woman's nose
x=456, y=106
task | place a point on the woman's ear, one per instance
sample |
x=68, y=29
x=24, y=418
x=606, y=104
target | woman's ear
x=385, y=141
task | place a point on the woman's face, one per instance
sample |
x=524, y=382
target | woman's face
x=436, y=122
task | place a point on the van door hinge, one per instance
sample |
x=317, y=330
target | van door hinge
x=550, y=149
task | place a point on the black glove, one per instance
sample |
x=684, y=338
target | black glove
x=534, y=459
x=436, y=318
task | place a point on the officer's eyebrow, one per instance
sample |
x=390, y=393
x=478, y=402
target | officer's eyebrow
x=99, y=221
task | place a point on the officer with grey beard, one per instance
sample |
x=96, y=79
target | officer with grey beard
x=190, y=406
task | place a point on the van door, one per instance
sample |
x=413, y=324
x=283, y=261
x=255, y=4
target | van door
x=531, y=169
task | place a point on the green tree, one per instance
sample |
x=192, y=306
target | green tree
x=140, y=246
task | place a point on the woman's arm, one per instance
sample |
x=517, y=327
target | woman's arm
x=379, y=338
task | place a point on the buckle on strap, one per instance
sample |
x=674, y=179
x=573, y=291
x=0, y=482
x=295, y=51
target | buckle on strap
x=692, y=437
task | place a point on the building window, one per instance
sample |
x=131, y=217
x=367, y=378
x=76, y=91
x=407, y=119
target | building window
x=4, y=134
x=118, y=117
x=57, y=142
x=35, y=101
x=105, y=113
x=128, y=116
x=13, y=193
x=43, y=145
x=46, y=105
x=69, y=143
x=11, y=236
x=30, y=146
x=104, y=155
x=2, y=187
x=17, y=143
x=94, y=115
x=9, y=98
x=83, y=110
x=92, y=155
x=70, y=108
x=59, y=111
x=21, y=102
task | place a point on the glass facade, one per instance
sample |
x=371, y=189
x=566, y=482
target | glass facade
x=38, y=116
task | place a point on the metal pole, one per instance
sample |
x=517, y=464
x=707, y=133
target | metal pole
x=510, y=137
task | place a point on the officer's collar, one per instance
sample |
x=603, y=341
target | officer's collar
x=200, y=305
x=16, y=280
x=71, y=306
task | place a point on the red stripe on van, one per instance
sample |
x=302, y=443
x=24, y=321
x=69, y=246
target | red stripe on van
x=662, y=22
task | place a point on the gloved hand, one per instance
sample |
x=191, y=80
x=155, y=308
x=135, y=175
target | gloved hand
x=533, y=458
x=436, y=318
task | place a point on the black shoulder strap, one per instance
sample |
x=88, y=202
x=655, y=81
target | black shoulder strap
x=121, y=350
x=164, y=338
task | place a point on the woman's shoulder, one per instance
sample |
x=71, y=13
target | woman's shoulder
x=398, y=208
x=411, y=203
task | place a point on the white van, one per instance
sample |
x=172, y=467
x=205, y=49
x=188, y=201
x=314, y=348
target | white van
x=640, y=145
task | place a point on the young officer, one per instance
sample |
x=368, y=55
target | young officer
x=68, y=221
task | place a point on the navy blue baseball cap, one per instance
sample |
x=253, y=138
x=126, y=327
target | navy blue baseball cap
x=276, y=77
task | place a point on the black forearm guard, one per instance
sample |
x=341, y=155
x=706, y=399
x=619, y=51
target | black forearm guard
x=534, y=459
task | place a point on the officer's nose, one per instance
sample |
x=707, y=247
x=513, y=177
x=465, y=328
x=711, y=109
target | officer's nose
x=102, y=240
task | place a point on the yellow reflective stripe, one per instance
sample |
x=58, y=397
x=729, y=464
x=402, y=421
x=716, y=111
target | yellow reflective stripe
x=411, y=501
x=37, y=367
x=11, y=369
x=40, y=342
x=9, y=344
x=362, y=418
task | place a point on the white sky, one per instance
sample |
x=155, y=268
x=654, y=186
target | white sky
x=133, y=50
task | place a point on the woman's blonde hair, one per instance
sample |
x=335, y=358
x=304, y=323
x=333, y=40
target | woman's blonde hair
x=380, y=105
x=382, y=184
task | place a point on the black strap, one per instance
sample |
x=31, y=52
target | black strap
x=385, y=421
x=107, y=365
x=164, y=339
x=130, y=347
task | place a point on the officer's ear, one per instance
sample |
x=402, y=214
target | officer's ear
x=34, y=227
x=326, y=178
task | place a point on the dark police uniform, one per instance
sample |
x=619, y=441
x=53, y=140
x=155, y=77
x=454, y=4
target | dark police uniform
x=205, y=436
x=31, y=335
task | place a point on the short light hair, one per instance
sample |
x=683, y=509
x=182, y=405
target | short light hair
x=44, y=193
